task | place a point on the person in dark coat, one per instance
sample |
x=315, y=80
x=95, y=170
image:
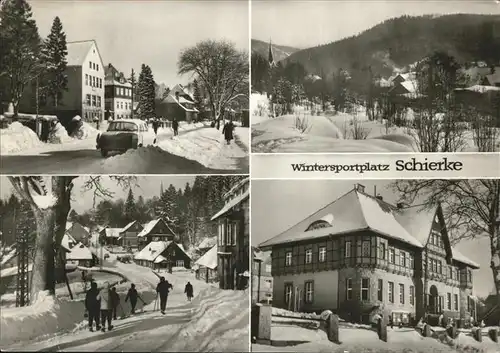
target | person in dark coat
x=92, y=305
x=162, y=289
x=227, y=130
x=189, y=291
x=156, y=124
x=115, y=301
x=175, y=126
x=133, y=295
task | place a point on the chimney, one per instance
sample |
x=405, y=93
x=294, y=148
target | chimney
x=380, y=197
x=359, y=187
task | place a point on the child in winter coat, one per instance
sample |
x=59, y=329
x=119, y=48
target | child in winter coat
x=115, y=301
x=106, y=308
x=92, y=305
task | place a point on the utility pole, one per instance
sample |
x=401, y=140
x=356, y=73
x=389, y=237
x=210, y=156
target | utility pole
x=22, y=285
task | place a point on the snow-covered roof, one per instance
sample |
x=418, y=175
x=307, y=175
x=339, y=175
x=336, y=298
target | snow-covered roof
x=124, y=229
x=160, y=259
x=171, y=99
x=479, y=89
x=78, y=51
x=207, y=243
x=79, y=252
x=232, y=203
x=356, y=211
x=113, y=82
x=68, y=241
x=148, y=227
x=151, y=251
x=458, y=256
x=209, y=259
x=69, y=225
x=237, y=186
x=113, y=232
x=180, y=246
x=411, y=86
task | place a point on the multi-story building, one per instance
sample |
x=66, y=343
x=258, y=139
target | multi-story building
x=85, y=90
x=360, y=253
x=262, y=280
x=117, y=94
x=233, y=237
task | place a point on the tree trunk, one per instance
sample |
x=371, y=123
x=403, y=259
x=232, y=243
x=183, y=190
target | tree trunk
x=495, y=263
x=42, y=276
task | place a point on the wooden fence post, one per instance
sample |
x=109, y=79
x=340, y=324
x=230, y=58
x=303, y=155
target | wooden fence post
x=493, y=333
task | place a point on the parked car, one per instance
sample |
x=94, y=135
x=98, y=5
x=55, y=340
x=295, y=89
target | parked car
x=123, y=135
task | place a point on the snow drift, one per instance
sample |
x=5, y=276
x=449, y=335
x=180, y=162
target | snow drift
x=18, y=137
x=85, y=131
x=59, y=134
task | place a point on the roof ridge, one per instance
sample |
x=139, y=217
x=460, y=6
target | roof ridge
x=81, y=41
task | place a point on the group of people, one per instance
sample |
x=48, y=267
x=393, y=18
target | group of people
x=175, y=126
x=102, y=305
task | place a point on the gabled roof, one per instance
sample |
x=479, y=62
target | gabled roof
x=207, y=243
x=232, y=203
x=357, y=211
x=148, y=227
x=171, y=99
x=112, y=232
x=124, y=229
x=79, y=252
x=151, y=251
x=209, y=259
x=78, y=51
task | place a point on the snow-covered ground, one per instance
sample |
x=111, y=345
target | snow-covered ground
x=215, y=320
x=18, y=137
x=365, y=340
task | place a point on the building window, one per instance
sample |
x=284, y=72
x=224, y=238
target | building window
x=349, y=289
x=382, y=251
x=392, y=255
x=288, y=259
x=322, y=254
x=86, y=79
x=401, y=293
x=448, y=300
x=288, y=293
x=347, y=249
x=455, y=301
x=309, y=292
x=97, y=67
x=90, y=64
x=365, y=287
x=87, y=100
x=117, y=92
x=380, y=289
x=99, y=101
x=100, y=83
x=440, y=267
x=402, y=258
x=94, y=100
x=412, y=295
x=412, y=261
x=391, y=292
x=179, y=263
x=365, y=248
x=234, y=233
x=469, y=273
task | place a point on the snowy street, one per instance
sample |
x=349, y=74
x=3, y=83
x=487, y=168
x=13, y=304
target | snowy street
x=198, y=150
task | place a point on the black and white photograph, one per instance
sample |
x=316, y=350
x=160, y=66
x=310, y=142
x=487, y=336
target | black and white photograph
x=375, y=76
x=125, y=263
x=128, y=87
x=375, y=265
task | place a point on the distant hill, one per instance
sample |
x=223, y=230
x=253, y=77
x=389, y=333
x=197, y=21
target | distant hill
x=280, y=51
x=400, y=42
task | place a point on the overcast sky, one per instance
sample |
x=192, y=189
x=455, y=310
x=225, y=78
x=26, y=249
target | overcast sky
x=129, y=33
x=276, y=205
x=147, y=186
x=305, y=24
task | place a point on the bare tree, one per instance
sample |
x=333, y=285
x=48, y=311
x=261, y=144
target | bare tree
x=50, y=201
x=222, y=70
x=470, y=207
x=484, y=131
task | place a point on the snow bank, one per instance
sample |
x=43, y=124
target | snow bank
x=58, y=134
x=85, y=131
x=243, y=135
x=259, y=108
x=18, y=137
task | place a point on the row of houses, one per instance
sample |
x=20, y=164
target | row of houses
x=360, y=254
x=97, y=92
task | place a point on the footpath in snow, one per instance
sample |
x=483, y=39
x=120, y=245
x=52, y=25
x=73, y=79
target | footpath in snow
x=208, y=147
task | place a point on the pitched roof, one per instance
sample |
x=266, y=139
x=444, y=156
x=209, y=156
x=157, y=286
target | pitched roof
x=171, y=99
x=207, y=243
x=355, y=211
x=124, y=229
x=494, y=79
x=151, y=251
x=209, y=259
x=232, y=203
x=79, y=252
x=148, y=227
x=113, y=232
x=78, y=51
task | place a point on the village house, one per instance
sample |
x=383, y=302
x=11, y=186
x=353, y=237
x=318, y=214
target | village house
x=179, y=105
x=233, y=237
x=76, y=252
x=78, y=232
x=205, y=245
x=156, y=230
x=206, y=266
x=117, y=94
x=111, y=236
x=262, y=280
x=129, y=233
x=163, y=254
x=359, y=254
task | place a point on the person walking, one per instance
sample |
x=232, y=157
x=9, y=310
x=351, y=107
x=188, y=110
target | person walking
x=156, y=124
x=106, y=308
x=162, y=290
x=133, y=295
x=189, y=291
x=115, y=301
x=92, y=305
x=227, y=131
x=175, y=126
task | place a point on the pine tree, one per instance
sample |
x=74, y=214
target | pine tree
x=197, y=95
x=147, y=94
x=54, y=51
x=19, y=52
x=133, y=82
x=129, y=210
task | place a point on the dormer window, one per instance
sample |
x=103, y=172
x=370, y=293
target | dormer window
x=318, y=225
